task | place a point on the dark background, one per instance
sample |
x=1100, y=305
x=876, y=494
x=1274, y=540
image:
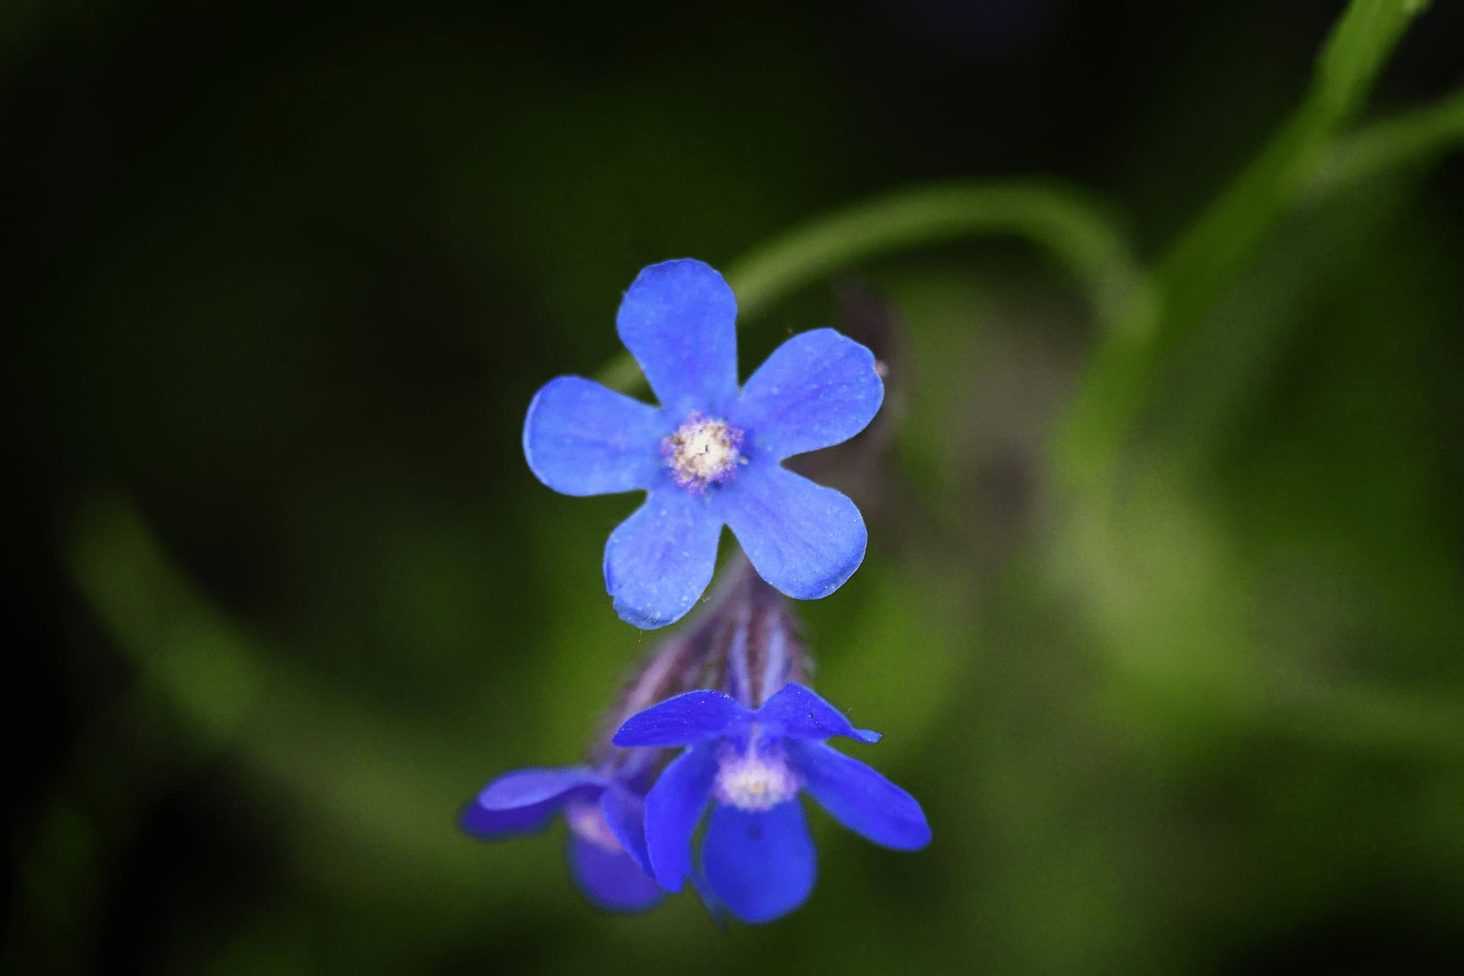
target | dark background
x=283, y=279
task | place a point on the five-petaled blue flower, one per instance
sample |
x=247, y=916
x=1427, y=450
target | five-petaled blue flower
x=709, y=455
x=604, y=807
x=757, y=858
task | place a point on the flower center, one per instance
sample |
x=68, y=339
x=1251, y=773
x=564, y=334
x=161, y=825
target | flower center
x=588, y=823
x=754, y=782
x=703, y=451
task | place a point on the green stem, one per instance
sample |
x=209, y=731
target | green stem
x=1205, y=259
x=1057, y=219
x=1416, y=136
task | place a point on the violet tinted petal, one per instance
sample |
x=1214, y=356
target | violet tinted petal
x=818, y=389
x=689, y=718
x=761, y=865
x=798, y=713
x=527, y=787
x=861, y=798
x=493, y=824
x=803, y=538
x=659, y=561
x=678, y=319
x=624, y=814
x=673, y=808
x=583, y=439
x=610, y=879
x=526, y=799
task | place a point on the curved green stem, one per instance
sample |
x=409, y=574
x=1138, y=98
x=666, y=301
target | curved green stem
x=1061, y=221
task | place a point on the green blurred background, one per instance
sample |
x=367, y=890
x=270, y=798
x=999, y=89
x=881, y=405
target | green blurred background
x=285, y=593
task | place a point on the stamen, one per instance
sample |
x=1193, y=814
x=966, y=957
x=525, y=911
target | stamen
x=702, y=452
x=755, y=782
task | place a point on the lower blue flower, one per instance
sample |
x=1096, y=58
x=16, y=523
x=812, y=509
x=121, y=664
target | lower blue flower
x=607, y=850
x=757, y=858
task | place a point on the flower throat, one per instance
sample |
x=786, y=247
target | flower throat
x=702, y=452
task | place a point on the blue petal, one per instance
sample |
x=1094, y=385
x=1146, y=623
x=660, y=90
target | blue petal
x=524, y=787
x=659, y=561
x=583, y=439
x=624, y=814
x=610, y=879
x=526, y=799
x=493, y=824
x=798, y=713
x=679, y=320
x=803, y=538
x=673, y=808
x=860, y=798
x=816, y=390
x=687, y=719
x=760, y=865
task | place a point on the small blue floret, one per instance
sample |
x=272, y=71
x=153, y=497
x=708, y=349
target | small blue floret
x=757, y=857
x=607, y=852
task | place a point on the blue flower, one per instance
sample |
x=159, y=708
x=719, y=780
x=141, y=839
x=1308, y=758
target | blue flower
x=604, y=807
x=710, y=454
x=757, y=858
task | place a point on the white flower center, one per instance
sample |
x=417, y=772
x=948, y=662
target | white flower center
x=703, y=451
x=755, y=782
